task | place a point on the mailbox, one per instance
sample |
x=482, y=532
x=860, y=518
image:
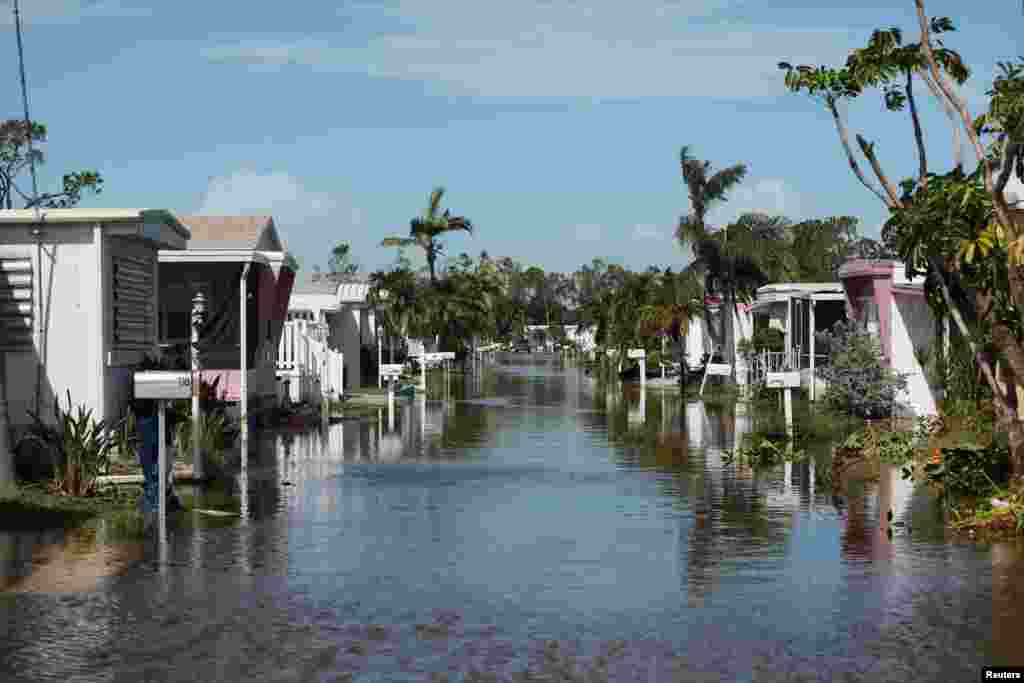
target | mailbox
x=163, y=385
x=636, y=353
x=720, y=369
x=782, y=380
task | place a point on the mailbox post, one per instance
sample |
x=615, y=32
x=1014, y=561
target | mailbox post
x=641, y=355
x=390, y=373
x=162, y=386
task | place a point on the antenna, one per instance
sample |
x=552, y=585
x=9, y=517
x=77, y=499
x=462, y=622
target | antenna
x=24, y=99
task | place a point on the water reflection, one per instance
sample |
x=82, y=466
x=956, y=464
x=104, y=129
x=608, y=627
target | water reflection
x=540, y=504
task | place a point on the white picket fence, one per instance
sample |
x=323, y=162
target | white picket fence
x=311, y=369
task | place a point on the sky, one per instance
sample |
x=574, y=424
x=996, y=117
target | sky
x=554, y=126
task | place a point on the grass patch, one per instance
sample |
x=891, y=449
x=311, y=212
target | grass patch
x=31, y=507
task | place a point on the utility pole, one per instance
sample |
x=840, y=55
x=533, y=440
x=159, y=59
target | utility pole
x=6, y=455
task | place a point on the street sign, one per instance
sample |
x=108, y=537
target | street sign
x=446, y=355
x=163, y=385
x=636, y=353
x=391, y=370
x=721, y=369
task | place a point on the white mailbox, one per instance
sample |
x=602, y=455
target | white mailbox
x=636, y=353
x=391, y=370
x=720, y=369
x=163, y=385
x=782, y=380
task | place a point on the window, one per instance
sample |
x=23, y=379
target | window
x=16, y=304
x=133, y=301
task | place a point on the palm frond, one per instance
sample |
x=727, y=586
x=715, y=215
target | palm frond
x=719, y=184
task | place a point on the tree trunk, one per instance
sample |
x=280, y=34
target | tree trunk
x=1009, y=423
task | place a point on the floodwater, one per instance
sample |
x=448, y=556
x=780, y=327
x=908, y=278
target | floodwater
x=534, y=520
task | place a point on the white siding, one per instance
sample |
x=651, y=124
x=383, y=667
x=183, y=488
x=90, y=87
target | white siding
x=66, y=285
x=913, y=326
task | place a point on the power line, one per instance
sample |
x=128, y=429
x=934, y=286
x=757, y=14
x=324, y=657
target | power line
x=24, y=99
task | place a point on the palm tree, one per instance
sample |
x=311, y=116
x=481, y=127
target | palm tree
x=424, y=231
x=677, y=299
x=403, y=308
x=706, y=189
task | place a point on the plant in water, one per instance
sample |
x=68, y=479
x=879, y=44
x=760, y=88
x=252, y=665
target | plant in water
x=895, y=448
x=80, y=445
x=858, y=382
x=216, y=430
x=767, y=453
x=969, y=470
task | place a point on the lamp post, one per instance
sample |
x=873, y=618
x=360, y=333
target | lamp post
x=198, y=320
x=380, y=354
x=383, y=295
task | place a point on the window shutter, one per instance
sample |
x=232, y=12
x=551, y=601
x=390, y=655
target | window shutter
x=133, y=302
x=16, y=304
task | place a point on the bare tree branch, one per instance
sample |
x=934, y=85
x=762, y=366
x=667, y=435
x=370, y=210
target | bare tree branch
x=954, y=121
x=1002, y=210
x=844, y=138
x=1007, y=154
x=918, y=133
x=869, y=152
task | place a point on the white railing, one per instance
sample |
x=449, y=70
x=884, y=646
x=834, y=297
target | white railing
x=312, y=369
x=774, y=361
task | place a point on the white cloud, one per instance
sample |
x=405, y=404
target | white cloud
x=588, y=232
x=295, y=208
x=772, y=196
x=644, y=48
x=647, y=231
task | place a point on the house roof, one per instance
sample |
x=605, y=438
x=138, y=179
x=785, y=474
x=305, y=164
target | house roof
x=346, y=292
x=254, y=233
x=313, y=283
x=78, y=215
x=801, y=287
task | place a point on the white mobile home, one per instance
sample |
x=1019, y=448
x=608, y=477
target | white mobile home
x=78, y=302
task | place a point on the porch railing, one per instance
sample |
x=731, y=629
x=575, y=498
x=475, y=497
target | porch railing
x=774, y=361
x=312, y=370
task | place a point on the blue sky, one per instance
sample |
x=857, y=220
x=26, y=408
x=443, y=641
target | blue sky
x=555, y=126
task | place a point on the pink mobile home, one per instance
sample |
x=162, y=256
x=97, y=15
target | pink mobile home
x=228, y=258
x=881, y=298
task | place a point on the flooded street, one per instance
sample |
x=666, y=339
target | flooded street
x=537, y=519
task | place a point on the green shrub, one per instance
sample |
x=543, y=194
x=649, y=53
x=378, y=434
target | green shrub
x=763, y=339
x=970, y=470
x=895, y=448
x=81, y=447
x=767, y=453
x=858, y=383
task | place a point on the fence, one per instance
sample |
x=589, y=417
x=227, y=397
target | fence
x=773, y=361
x=311, y=369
